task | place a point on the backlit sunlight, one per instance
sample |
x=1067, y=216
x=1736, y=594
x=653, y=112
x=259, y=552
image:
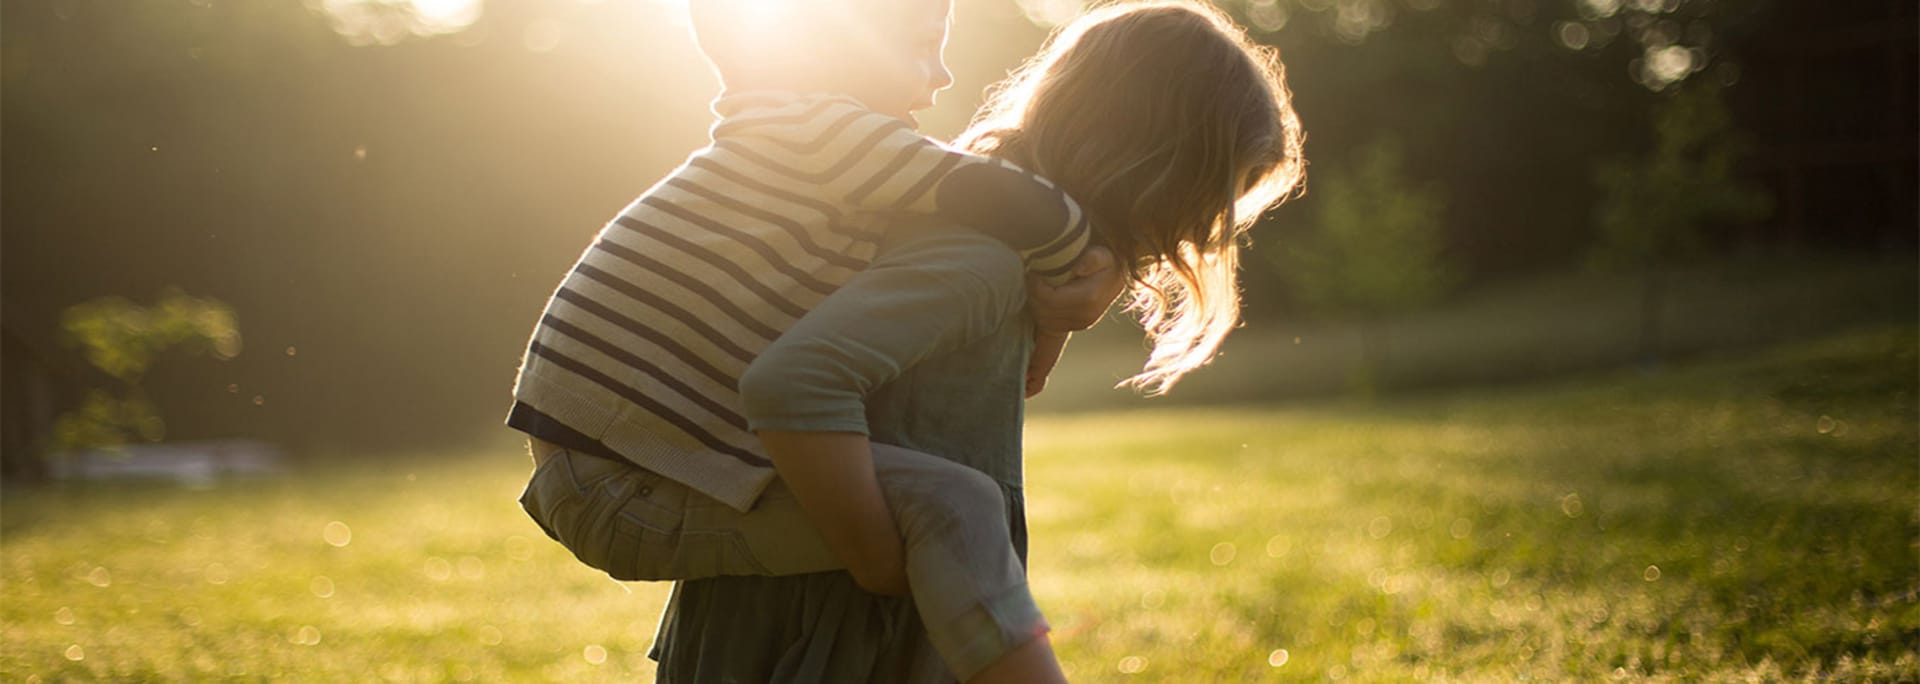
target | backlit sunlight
x=387, y=22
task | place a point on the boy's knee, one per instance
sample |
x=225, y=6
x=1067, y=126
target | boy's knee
x=963, y=498
x=975, y=490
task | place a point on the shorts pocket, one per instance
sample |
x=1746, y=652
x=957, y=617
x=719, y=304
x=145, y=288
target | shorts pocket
x=575, y=499
x=644, y=530
x=652, y=531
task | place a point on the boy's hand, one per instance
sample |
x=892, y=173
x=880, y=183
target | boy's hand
x=1079, y=303
x=1046, y=353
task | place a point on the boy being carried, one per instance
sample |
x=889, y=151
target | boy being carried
x=649, y=466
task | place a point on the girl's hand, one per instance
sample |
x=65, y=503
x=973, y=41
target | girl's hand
x=831, y=476
x=1046, y=352
x=1079, y=303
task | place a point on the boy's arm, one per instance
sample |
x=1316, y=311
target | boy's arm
x=880, y=163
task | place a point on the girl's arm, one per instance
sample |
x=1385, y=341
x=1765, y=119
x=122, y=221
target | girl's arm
x=831, y=476
x=1060, y=311
x=1047, y=348
x=805, y=395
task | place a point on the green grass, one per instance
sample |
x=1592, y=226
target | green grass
x=1749, y=519
x=1513, y=330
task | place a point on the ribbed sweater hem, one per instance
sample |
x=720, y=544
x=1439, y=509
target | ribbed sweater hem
x=723, y=477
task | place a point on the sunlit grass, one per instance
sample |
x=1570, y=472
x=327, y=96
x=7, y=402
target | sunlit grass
x=425, y=570
x=1749, y=519
x=1754, y=519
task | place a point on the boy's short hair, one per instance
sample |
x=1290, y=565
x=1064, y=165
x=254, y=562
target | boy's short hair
x=780, y=39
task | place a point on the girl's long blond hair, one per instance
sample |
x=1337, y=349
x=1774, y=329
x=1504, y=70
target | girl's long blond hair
x=1176, y=133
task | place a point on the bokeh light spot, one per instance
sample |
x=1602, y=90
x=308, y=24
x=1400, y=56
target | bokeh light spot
x=1052, y=12
x=387, y=22
x=1222, y=553
x=337, y=534
x=1269, y=16
x=472, y=568
x=1572, y=35
x=1277, y=658
x=1599, y=9
x=594, y=653
x=519, y=549
x=1278, y=545
x=438, y=569
x=1669, y=64
x=1152, y=598
x=1571, y=505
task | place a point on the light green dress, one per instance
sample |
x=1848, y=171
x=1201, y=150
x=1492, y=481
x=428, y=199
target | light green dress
x=934, y=336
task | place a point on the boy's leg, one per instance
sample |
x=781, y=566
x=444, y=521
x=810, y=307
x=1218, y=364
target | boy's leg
x=635, y=524
x=966, y=580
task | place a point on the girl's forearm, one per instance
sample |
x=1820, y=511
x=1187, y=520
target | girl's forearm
x=832, y=478
x=1047, y=347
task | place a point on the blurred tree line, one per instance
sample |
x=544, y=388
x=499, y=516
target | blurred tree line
x=1509, y=109
x=385, y=191
x=122, y=340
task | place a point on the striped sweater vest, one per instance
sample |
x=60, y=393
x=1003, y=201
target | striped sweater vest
x=642, y=345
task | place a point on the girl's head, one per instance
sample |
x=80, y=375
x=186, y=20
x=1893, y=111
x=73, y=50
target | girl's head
x=1175, y=132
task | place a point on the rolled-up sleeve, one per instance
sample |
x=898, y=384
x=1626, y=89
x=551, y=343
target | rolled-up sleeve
x=937, y=291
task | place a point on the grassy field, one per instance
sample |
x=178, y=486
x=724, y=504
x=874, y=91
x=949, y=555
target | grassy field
x=1745, y=519
x=1512, y=331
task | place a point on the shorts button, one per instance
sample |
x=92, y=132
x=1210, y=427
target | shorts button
x=646, y=490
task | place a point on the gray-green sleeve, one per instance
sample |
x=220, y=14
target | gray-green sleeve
x=941, y=289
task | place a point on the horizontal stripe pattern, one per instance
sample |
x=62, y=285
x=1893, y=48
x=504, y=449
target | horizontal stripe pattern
x=666, y=415
x=652, y=329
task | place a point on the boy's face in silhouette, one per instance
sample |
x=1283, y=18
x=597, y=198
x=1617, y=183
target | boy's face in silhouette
x=910, y=67
x=887, y=53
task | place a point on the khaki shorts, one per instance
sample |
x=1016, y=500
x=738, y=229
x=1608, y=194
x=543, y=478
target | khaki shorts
x=635, y=524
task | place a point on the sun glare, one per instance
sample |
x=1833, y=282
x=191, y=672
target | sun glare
x=1052, y=12
x=387, y=22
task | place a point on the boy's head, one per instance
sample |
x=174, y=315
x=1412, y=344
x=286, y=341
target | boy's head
x=887, y=53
